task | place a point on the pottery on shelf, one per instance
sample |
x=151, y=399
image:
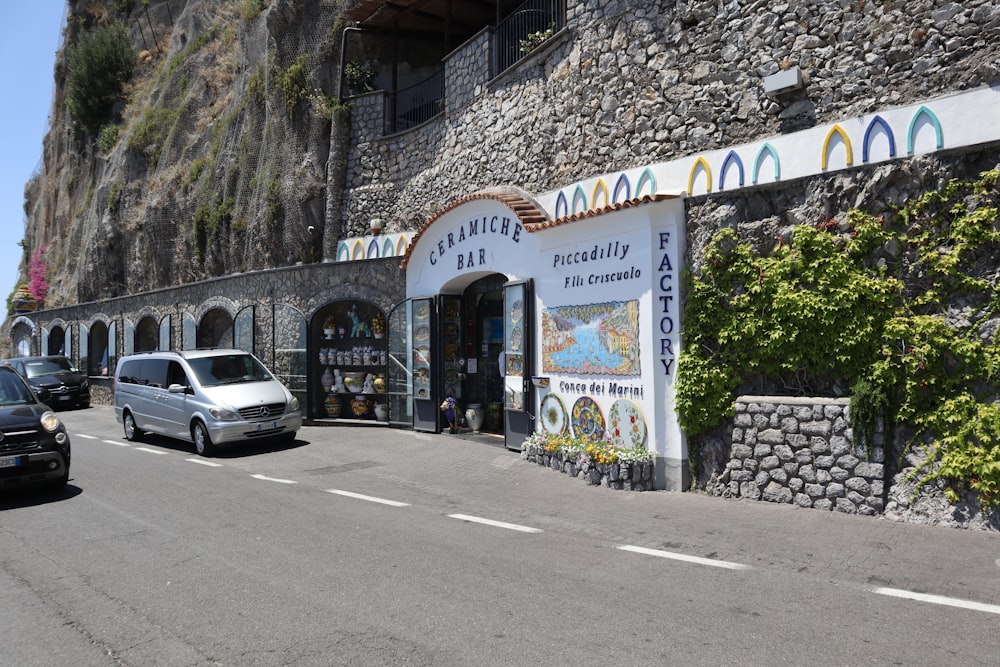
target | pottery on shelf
x=361, y=406
x=326, y=380
x=380, y=384
x=333, y=405
x=354, y=382
x=381, y=412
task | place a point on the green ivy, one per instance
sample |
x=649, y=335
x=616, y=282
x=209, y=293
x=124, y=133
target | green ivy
x=829, y=306
x=292, y=84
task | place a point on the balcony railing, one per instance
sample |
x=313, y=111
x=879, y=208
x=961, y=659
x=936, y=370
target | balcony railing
x=417, y=104
x=525, y=29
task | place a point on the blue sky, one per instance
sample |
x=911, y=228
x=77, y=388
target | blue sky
x=30, y=36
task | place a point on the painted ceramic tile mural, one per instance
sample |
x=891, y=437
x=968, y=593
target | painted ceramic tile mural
x=595, y=339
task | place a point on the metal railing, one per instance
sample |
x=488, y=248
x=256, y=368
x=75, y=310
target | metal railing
x=417, y=104
x=526, y=28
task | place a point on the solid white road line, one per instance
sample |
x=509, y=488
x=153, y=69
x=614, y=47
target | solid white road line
x=274, y=479
x=151, y=451
x=115, y=442
x=203, y=462
x=373, y=499
x=684, y=557
x=495, y=524
x=84, y=435
x=939, y=599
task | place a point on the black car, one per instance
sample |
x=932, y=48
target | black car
x=54, y=380
x=34, y=445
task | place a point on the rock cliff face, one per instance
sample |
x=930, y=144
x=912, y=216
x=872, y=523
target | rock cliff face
x=219, y=163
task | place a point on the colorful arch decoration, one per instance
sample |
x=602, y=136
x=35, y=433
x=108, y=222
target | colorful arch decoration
x=343, y=252
x=373, y=250
x=388, y=249
x=646, y=178
x=836, y=130
x=924, y=112
x=359, y=250
x=622, y=185
x=878, y=122
x=562, y=207
x=767, y=150
x=579, y=197
x=600, y=188
x=731, y=159
x=700, y=162
x=401, y=246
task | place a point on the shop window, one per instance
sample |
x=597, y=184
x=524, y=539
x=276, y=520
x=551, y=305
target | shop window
x=56, y=343
x=189, y=332
x=243, y=330
x=165, y=333
x=351, y=355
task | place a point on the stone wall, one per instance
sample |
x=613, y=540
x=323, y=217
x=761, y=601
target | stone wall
x=801, y=451
x=633, y=83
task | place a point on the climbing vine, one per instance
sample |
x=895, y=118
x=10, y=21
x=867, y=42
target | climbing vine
x=904, y=312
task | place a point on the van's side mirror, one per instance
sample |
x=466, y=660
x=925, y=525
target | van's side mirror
x=179, y=389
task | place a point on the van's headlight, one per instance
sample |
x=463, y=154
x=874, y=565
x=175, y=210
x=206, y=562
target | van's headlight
x=49, y=421
x=293, y=404
x=223, y=415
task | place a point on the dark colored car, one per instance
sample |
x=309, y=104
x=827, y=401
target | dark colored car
x=34, y=445
x=54, y=379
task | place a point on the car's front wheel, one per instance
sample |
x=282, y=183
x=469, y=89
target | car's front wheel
x=202, y=441
x=132, y=432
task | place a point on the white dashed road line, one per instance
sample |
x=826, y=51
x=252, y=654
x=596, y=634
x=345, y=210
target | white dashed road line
x=938, y=599
x=85, y=436
x=495, y=524
x=115, y=442
x=373, y=499
x=684, y=557
x=203, y=462
x=274, y=479
x=151, y=451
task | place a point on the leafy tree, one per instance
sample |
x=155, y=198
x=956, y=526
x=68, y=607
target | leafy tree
x=98, y=66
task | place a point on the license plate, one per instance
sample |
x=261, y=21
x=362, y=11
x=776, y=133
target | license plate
x=268, y=426
x=64, y=397
x=9, y=461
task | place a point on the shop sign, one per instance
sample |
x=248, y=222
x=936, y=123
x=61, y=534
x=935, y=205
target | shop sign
x=466, y=247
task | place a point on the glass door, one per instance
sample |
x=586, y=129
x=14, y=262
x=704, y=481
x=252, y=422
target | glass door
x=425, y=404
x=518, y=342
x=400, y=370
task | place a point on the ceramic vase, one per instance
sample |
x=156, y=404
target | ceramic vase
x=381, y=412
x=474, y=417
x=333, y=406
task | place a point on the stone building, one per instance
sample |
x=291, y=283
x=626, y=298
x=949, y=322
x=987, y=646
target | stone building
x=508, y=159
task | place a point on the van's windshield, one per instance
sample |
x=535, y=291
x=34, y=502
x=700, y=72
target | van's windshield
x=228, y=369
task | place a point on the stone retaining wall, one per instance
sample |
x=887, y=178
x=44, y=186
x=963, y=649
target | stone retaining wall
x=801, y=451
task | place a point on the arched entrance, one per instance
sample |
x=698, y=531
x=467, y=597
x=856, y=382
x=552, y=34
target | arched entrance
x=215, y=329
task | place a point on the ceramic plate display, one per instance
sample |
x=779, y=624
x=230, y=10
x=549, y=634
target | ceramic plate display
x=450, y=352
x=422, y=333
x=451, y=309
x=515, y=339
x=516, y=311
x=626, y=425
x=587, y=419
x=553, y=414
x=422, y=355
x=421, y=310
x=451, y=331
x=514, y=364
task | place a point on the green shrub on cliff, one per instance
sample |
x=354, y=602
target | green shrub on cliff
x=98, y=66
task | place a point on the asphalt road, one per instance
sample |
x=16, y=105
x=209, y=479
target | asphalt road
x=372, y=546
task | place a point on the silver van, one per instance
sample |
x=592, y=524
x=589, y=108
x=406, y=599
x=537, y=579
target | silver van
x=212, y=398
